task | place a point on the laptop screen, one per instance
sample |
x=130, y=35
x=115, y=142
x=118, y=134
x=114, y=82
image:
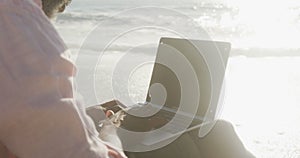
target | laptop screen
x=197, y=53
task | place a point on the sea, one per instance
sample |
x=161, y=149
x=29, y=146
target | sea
x=262, y=98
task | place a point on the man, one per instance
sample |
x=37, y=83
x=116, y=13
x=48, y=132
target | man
x=39, y=117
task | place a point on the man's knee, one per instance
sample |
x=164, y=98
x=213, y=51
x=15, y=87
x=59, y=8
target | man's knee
x=223, y=131
x=223, y=126
x=222, y=141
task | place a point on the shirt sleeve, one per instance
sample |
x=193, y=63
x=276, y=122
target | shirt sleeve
x=39, y=117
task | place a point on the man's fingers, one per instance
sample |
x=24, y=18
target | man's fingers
x=109, y=113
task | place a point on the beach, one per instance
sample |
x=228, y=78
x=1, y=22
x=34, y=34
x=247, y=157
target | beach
x=262, y=81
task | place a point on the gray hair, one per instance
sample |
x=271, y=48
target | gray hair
x=52, y=7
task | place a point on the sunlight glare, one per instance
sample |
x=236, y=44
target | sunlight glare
x=271, y=23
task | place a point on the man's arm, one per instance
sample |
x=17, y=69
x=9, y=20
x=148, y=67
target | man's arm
x=39, y=116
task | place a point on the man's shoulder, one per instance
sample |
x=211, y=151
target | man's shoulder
x=28, y=29
x=28, y=40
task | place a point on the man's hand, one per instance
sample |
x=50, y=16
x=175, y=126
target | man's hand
x=106, y=128
x=112, y=110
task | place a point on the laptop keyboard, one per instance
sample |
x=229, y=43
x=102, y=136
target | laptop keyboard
x=172, y=125
x=175, y=124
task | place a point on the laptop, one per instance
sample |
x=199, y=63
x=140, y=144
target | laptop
x=185, y=88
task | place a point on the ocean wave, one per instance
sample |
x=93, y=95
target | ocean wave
x=222, y=22
x=79, y=16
